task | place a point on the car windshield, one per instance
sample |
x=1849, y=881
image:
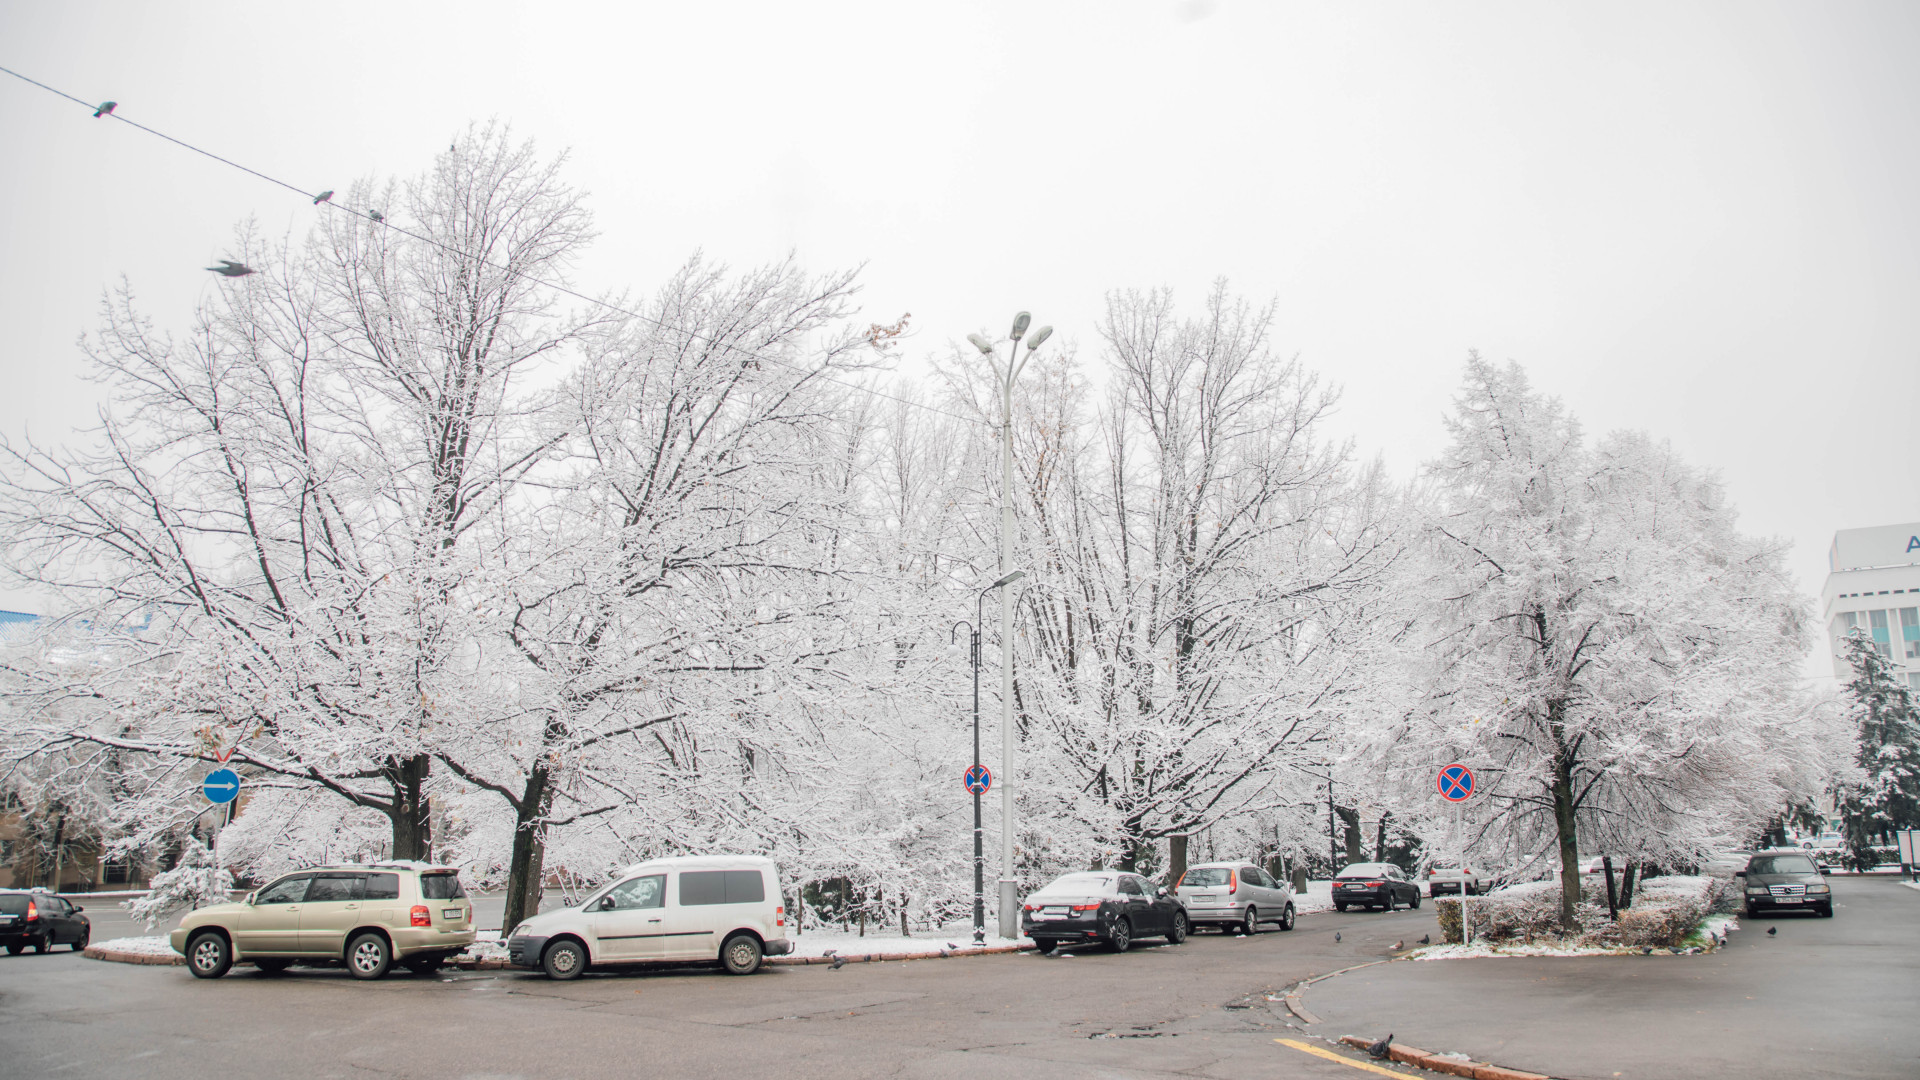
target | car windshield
x=1781, y=864
x=1081, y=884
x=1365, y=869
x=1206, y=875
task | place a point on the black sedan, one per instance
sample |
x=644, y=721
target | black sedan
x=1103, y=905
x=1380, y=885
x=42, y=920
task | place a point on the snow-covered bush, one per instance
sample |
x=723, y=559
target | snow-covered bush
x=1665, y=911
x=198, y=880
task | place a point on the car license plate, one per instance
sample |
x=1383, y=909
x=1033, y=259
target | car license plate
x=1047, y=916
x=450, y=913
x=1786, y=899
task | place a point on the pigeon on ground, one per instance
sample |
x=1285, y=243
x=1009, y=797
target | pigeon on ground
x=944, y=954
x=952, y=946
x=1379, y=1051
x=1336, y=937
x=1772, y=930
x=323, y=197
x=1675, y=950
x=838, y=963
x=229, y=268
x=105, y=108
x=376, y=215
x=1426, y=939
x=1646, y=950
x=1398, y=945
x=829, y=952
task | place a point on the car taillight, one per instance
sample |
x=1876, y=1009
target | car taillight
x=1086, y=907
x=780, y=911
x=1375, y=884
x=1182, y=881
x=1233, y=881
x=420, y=916
x=33, y=911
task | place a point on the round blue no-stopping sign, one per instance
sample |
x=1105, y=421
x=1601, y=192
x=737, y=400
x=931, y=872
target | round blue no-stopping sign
x=979, y=779
x=1456, y=783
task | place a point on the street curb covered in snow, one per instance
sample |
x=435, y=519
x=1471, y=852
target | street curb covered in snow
x=127, y=956
x=489, y=963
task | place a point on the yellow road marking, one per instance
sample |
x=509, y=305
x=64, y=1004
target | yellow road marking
x=1331, y=1056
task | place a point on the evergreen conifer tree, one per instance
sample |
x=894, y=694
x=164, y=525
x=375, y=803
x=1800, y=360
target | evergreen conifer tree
x=1887, y=794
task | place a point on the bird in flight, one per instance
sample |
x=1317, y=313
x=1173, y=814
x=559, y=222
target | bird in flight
x=105, y=108
x=229, y=268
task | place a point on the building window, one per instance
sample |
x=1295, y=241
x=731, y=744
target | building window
x=1910, y=631
x=1877, y=622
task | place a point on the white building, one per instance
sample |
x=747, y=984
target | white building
x=1873, y=585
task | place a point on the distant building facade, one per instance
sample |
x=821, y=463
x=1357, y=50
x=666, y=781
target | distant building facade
x=1873, y=586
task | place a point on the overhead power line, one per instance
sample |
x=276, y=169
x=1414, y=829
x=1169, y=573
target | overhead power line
x=110, y=111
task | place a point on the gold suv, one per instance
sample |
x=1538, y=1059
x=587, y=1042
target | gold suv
x=368, y=917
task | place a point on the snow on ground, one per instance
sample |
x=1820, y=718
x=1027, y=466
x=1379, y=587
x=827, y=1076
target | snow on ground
x=1317, y=898
x=145, y=946
x=1481, y=948
x=817, y=942
x=1911, y=884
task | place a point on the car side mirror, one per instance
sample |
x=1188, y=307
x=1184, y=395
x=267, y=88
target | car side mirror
x=1161, y=891
x=77, y=909
x=250, y=896
x=606, y=903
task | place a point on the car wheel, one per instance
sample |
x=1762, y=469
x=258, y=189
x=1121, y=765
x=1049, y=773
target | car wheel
x=1250, y=921
x=1416, y=902
x=740, y=955
x=42, y=943
x=15, y=948
x=369, y=957
x=1339, y=907
x=80, y=943
x=1121, y=935
x=1749, y=912
x=208, y=955
x=565, y=960
x=1286, y=917
x=1047, y=948
x=1179, y=932
x=1826, y=912
x=423, y=965
x=273, y=965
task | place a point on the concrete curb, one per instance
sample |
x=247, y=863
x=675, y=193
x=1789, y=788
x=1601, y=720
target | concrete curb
x=1473, y=1070
x=118, y=956
x=491, y=964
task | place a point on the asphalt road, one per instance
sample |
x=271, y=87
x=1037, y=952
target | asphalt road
x=1835, y=997
x=1200, y=1010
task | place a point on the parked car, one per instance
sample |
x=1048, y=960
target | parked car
x=677, y=910
x=1453, y=881
x=1380, y=885
x=1785, y=878
x=42, y=920
x=1827, y=851
x=1229, y=894
x=367, y=916
x=1725, y=864
x=1102, y=905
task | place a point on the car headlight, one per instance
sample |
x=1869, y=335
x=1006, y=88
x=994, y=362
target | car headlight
x=1819, y=888
x=1756, y=890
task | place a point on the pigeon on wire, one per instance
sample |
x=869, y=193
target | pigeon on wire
x=323, y=197
x=1379, y=1051
x=106, y=108
x=1426, y=939
x=229, y=268
x=376, y=215
x=838, y=963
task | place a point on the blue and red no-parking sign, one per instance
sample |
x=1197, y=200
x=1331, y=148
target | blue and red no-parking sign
x=979, y=779
x=1456, y=782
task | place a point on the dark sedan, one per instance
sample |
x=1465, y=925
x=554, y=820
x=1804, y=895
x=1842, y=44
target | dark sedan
x=1785, y=881
x=1380, y=885
x=42, y=920
x=1111, y=906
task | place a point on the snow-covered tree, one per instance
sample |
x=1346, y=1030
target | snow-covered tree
x=198, y=880
x=1885, y=795
x=1595, y=637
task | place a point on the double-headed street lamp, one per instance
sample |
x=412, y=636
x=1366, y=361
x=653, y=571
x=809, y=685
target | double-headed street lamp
x=1004, y=374
x=979, y=852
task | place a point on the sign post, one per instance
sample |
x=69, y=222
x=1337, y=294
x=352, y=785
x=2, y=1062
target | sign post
x=1909, y=841
x=1456, y=784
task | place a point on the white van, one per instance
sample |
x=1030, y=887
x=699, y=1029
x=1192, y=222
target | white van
x=675, y=910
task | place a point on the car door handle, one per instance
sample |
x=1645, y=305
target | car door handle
x=353, y=907
x=653, y=920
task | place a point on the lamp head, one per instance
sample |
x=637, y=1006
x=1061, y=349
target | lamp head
x=1039, y=336
x=981, y=344
x=1010, y=578
x=1020, y=323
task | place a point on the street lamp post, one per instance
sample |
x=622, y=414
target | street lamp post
x=1004, y=375
x=979, y=851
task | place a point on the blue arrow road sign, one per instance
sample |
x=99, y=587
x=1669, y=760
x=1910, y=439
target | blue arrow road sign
x=1456, y=783
x=979, y=779
x=221, y=786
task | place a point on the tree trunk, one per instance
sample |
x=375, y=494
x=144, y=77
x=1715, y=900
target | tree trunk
x=412, y=827
x=1613, y=901
x=1380, y=840
x=1176, y=859
x=526, y=867
x=1565, y=825
x=1627, y=883
x=1350, y=828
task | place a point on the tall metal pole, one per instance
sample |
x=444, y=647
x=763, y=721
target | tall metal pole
x=979, y=833
x=1009, y=884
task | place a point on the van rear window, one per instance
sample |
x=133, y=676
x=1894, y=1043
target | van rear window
x=441, y=886
x=699, y=887
x=1208, y=875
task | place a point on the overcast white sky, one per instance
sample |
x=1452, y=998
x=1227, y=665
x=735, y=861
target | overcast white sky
x=1695, y=219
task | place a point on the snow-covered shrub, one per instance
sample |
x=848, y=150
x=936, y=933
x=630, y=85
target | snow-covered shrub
x=1665, y=911
x=198, y=880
